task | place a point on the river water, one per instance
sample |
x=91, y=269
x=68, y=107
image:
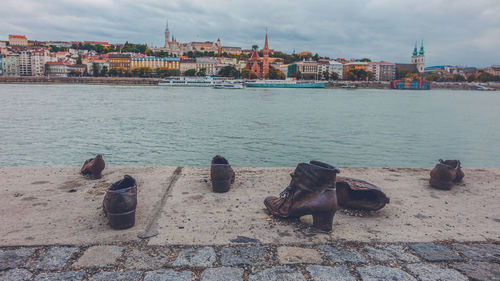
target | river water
x=52, y=125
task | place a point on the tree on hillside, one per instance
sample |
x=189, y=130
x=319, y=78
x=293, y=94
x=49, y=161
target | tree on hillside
x=365, y=60
x=202, y=72
x=275, y=74
x=458, y=78
x=432, y=76
x=334, y=76
x=246, y=73
x=190, y=72
x=255, y=47
x=166, y=72
x=325, y=75
x=228, y=71
x=79, y=59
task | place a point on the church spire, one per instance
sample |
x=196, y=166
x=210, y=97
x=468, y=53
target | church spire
x=266, y=45
x=415, y=51
x=421, y=53
x=167, y=35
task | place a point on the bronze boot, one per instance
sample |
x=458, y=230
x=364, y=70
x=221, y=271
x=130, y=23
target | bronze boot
x=445, y=174
x=310, y=192
x=93, y=167
x=221, y=174
x=120, y=202
x=359, y=194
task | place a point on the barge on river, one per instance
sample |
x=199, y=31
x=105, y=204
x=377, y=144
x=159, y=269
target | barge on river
x=409, y=84
x=285, y=84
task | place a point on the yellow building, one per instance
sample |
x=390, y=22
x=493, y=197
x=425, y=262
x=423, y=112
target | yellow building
x=155, y=62
x=354, y=65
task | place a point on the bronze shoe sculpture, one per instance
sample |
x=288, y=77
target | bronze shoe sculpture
x=221, y=174
x=445, y=174
x=120, y=202
x=310, y=192
x=360, y=195
x=93, y=167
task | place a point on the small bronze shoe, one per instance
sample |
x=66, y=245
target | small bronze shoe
x=221, y=174
x=360, y=195
x=120, y=202
x=93, y=167
x=445, y=174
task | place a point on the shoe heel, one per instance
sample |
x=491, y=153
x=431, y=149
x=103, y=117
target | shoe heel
x=122, y=220
x=220, y=186
x=323, y=220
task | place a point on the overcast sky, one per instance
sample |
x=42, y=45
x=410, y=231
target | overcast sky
x=456, y=32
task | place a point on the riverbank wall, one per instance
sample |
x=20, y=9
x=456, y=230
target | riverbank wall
x=79, y=80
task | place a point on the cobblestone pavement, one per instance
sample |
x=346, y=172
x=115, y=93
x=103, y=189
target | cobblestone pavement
x=253, y=261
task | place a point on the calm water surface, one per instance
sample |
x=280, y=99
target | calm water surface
x=65, y=124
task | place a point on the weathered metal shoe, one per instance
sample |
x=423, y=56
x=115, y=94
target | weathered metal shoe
x=221, y=174
x=120, y=203
x=445, y=174
x=360, y=195
x=310, y=192
x=93, y=167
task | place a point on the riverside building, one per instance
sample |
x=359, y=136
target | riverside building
x=154, y=62
x=18, y=40
x=418, y=57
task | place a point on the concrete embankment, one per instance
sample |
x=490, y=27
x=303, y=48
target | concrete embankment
x=79, y=80
x=56, y=205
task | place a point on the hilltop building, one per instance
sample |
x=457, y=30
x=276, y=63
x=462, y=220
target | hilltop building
x=18, y=40
x=418, y=57
x=257, y=65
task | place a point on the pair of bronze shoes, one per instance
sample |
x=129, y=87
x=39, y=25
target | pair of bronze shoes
x=316, y=190
x=120, y=201
x=445, y=174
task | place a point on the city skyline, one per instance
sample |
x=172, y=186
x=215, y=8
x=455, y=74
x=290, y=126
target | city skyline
x=454, y=32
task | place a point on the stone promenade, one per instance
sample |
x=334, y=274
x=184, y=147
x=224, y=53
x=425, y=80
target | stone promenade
x=254, y=261
x=53, y=228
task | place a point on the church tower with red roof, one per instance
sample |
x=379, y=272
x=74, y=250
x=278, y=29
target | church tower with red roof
x=265, y=60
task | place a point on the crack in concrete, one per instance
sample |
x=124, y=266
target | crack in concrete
x=151, y=228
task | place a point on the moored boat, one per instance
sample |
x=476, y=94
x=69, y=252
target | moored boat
x=285, y=84
x=409, y=84
x=229, y=85
x=189, y=81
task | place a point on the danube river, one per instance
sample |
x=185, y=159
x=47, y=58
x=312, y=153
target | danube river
x=52, y=125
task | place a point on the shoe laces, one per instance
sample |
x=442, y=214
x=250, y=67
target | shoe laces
x=286, y=192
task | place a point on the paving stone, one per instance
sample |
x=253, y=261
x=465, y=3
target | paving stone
x=480, y=271
x=99, y=256
x=336, y=254
x=14, y=258
x=17, y=274
x=390, y=253
x=435, y=252
x=202, y=257
x=61, y=276
x=222, y=274
x=146, y=260
x=251, y=255
x=278, y=273
x=430, y=272
x=168, y=275
x=480, y=252
x=326, y=273
x=289, y=255
x=383, y=273
x=54, y=258
x=117, y=276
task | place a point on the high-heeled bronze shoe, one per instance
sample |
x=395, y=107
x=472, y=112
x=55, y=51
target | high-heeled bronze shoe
x=310, y=192
x=93, y=167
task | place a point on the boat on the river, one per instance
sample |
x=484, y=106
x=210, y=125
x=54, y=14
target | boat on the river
x=191, y=81
x=409, y=84
x=285, y=84
x=228, y=85
x=348, y=86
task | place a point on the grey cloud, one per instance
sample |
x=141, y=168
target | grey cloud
x=455, y=31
